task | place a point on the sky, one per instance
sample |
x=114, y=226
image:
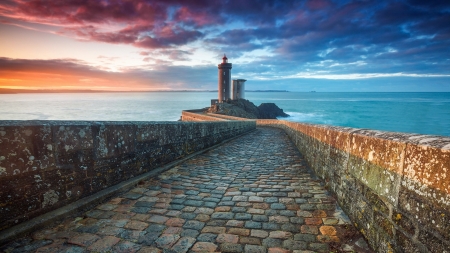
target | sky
x=320, y=45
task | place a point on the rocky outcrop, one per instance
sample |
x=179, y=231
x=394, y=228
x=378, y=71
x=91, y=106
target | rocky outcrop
x=246, y=109
x=231, y=110
x=247, y=106
x=270, y=111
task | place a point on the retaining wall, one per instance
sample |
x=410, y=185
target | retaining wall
x=394, y=186
x=222, y=116
x=197, y=115
x=45, y=165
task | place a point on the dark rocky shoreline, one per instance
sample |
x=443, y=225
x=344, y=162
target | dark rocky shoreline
x=245, y=109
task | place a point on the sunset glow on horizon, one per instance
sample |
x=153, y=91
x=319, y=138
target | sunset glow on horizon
x=321, y=45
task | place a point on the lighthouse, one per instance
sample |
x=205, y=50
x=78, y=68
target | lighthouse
x=224, y=79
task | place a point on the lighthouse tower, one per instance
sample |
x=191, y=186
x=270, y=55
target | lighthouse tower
x=224, y=79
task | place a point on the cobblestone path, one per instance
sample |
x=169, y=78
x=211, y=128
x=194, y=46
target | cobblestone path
x=253, y=194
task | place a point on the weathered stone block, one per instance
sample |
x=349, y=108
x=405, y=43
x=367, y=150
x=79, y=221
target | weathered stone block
x=425, y=211
x=114, y=139
x=405, y=224
x=73, y=191
x=25, y=148
x=378, y=151
x=433, y=242
x=149, y=133
x=339, y=138
x=21, y=206
x=426, y=172
x=384, y=224
x=407, y=244
x=377, y=202
x=383, y=182
x=339, y=159
x=72, y=137
x=82, y=159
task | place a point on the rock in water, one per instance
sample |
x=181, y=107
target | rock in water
x=270, y=111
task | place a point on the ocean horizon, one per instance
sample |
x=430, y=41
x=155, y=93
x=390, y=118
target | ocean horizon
x=409, y=112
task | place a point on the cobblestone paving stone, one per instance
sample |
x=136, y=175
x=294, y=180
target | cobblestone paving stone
x=253, y=194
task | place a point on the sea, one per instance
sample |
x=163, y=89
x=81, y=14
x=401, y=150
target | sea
x=422, y=113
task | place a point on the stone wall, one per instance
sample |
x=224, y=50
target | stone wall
x=198, y=116
x=394, y=186
x=222, y=116
x=45, y=165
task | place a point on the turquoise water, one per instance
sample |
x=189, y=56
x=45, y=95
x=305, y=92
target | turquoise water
x=425, y=113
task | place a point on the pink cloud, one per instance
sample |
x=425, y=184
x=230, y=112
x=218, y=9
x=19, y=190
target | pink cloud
x=168, y=37
x=318, y=4
x=86, y=11
x=143, y=24
x=197, y=18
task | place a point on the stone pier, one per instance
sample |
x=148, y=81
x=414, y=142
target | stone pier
x=253, y=194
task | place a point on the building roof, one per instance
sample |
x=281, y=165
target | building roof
x=225, y=59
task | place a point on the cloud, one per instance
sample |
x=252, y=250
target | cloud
x=69, y=72
x=341, y=38
x=168, y=38
x=170, y=54
x=86, y=11
x=197, y=18
x=358, y=76
x=176, y=55
x=139, y=23
x=57, y=66
x=60, y=72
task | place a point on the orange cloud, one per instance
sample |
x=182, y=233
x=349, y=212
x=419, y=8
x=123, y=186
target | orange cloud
x=68, y=74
